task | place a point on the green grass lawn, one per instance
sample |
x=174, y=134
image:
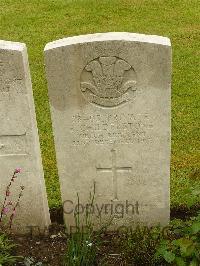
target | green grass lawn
x=36, y=22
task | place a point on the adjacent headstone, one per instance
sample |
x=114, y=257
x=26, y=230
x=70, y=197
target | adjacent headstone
x=110, y=106
x=19, y=142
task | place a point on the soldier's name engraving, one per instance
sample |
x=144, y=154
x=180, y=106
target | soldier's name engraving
x=110, y=128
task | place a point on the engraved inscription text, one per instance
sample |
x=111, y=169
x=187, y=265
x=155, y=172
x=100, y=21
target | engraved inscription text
x=110, y=128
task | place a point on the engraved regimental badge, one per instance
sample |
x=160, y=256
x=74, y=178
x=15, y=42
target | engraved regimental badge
x=108, y=81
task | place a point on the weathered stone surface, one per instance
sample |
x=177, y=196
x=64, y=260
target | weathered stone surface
x=110, y=105
x=19, y=143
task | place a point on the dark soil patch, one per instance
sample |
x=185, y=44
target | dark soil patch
x=50, y=250
x=183, y=212
x=56, y=215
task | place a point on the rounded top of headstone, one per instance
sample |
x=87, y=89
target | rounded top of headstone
x=109, y=36
x=15, y=46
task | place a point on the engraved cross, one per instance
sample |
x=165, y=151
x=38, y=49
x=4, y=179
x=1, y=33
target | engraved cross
x=114, y=169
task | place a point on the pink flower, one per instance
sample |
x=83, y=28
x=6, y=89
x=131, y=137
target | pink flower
x=18, y=170
x=7, y=193
x=5, y=210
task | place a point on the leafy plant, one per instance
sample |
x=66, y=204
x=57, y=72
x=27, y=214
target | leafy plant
x=177, y=244
x=6, y=250
x=182, y=245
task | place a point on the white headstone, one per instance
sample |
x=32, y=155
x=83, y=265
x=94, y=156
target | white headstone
x=110, y=106
x=19, y=142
